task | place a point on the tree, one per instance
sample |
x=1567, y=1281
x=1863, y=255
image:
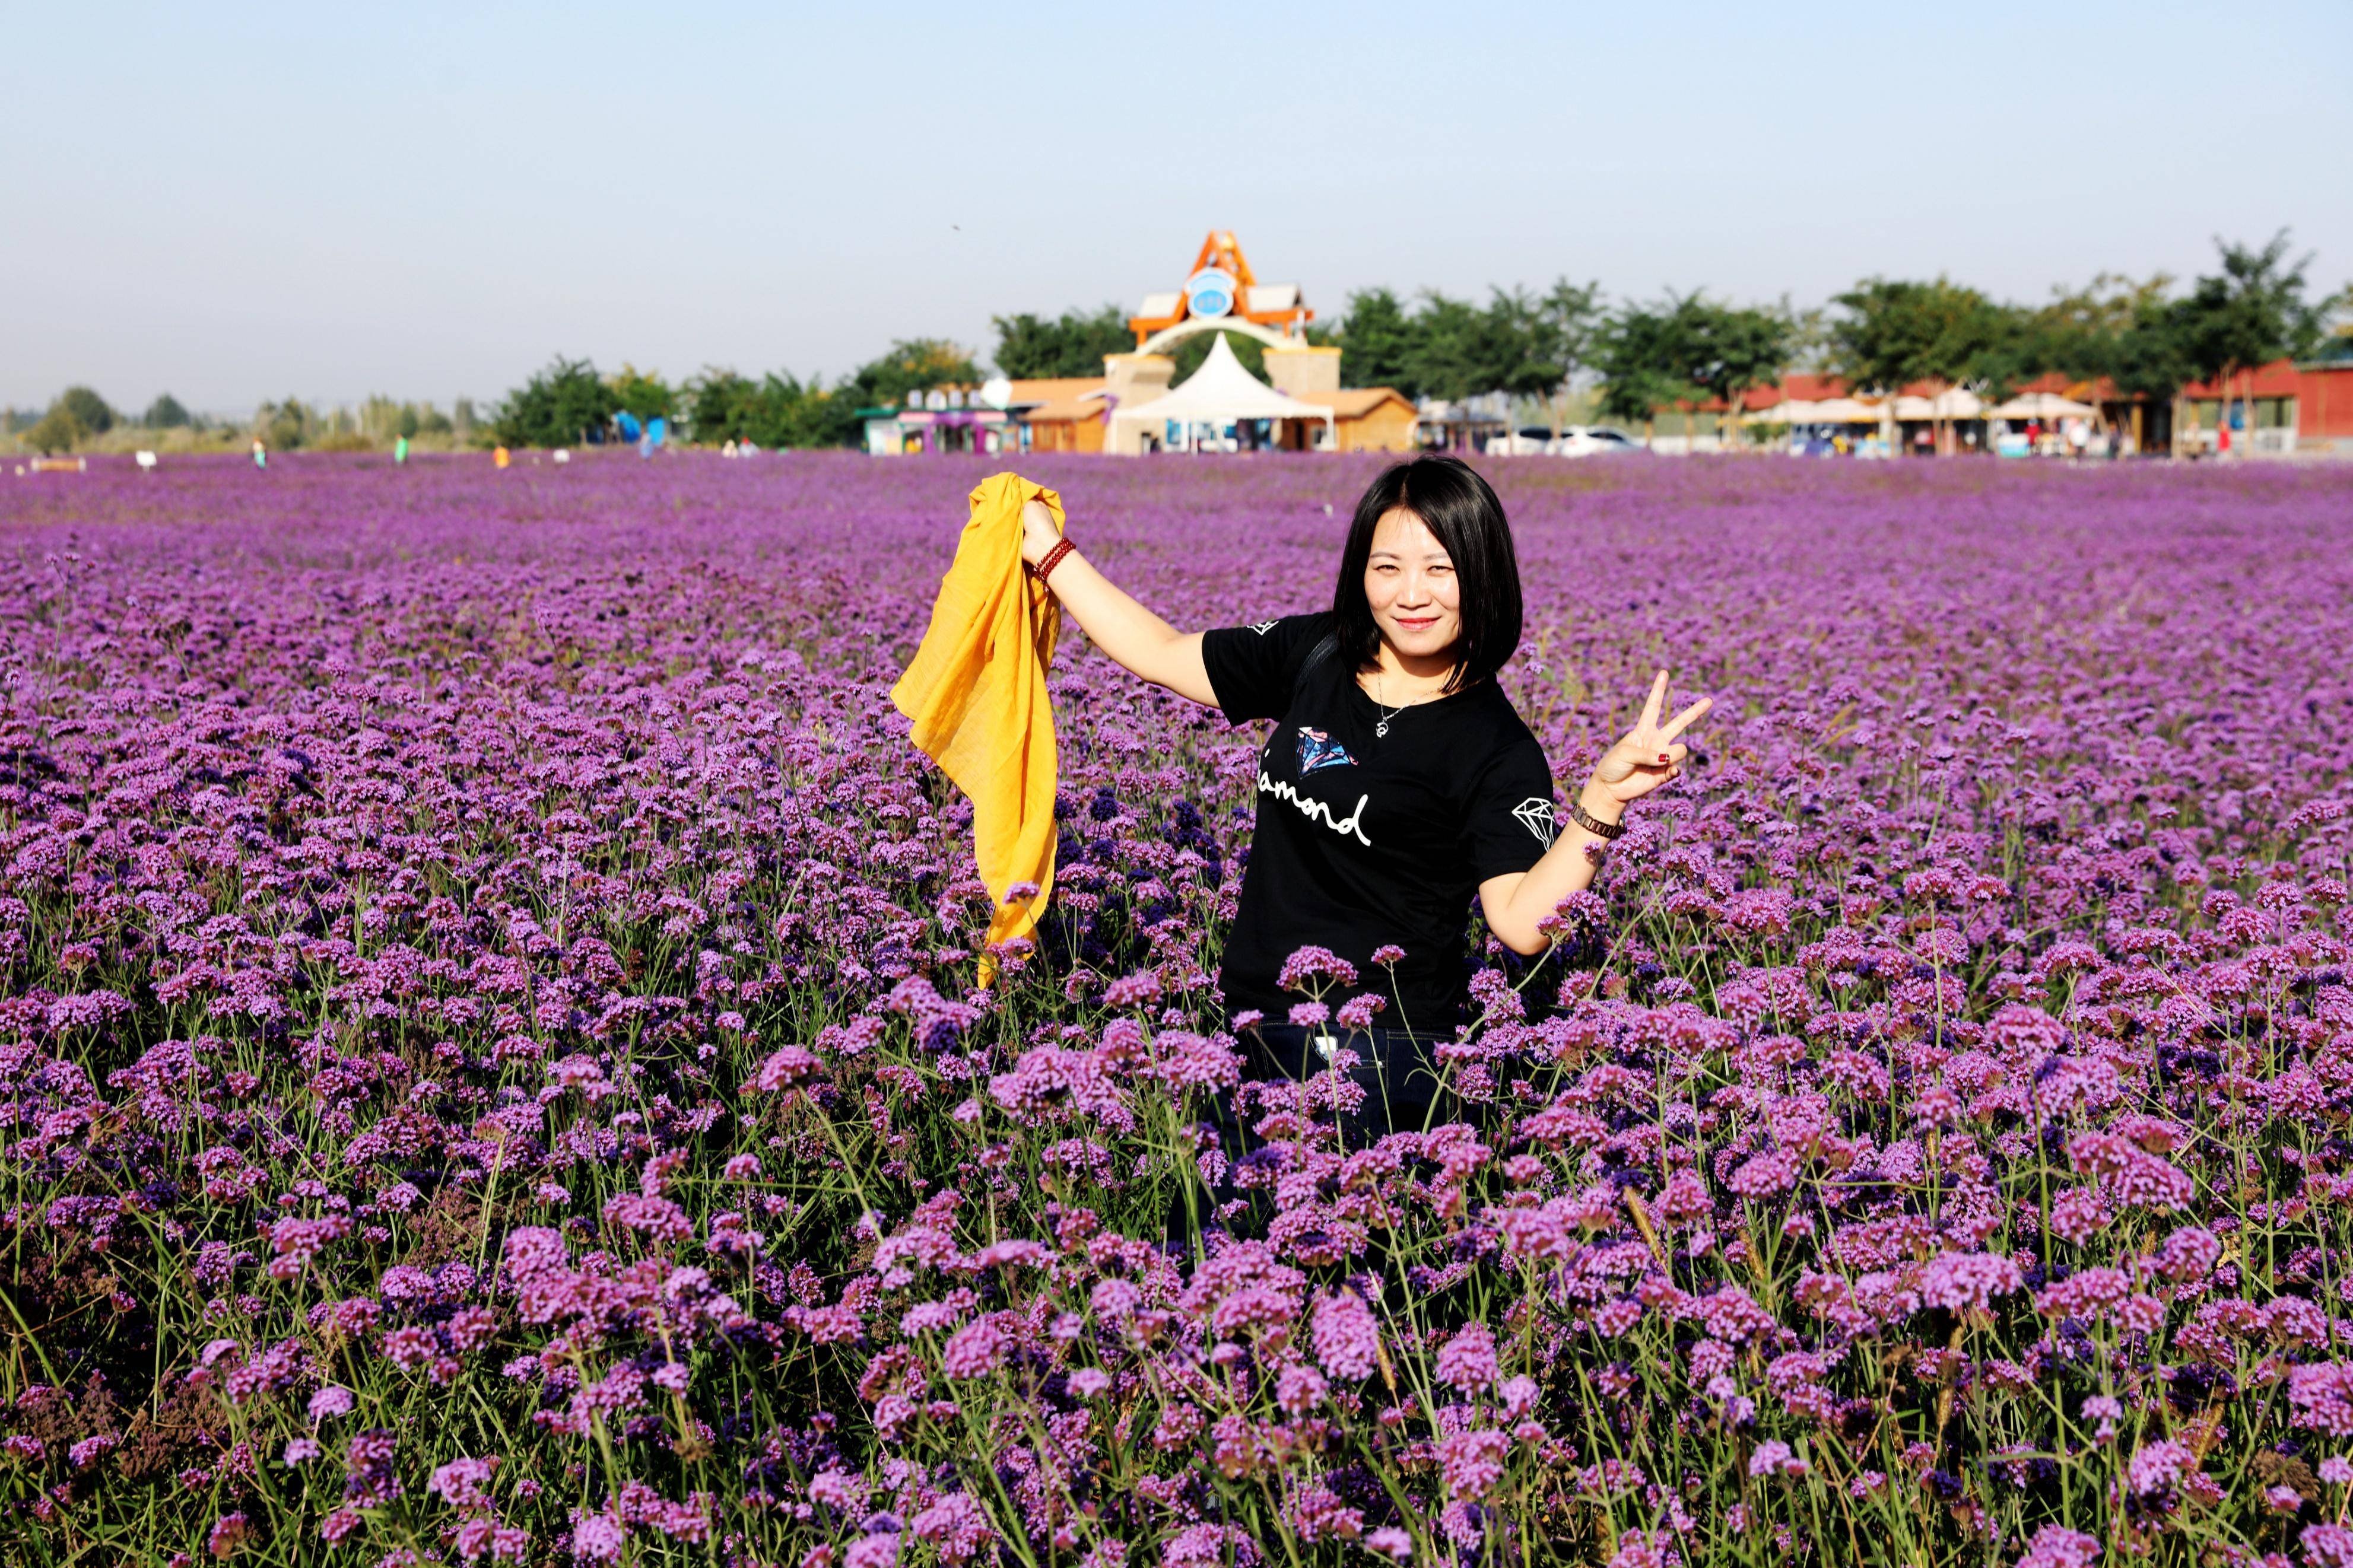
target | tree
x=1521, y=345
x=287, y=425
x=164, y=413
x=2251, y=313
x=55, y=431
x=716, y=403
x=1569, y=315
x=1380, y=342
x=1031, y=347
x=1462, y=350
x=2077, y=333
x=910, y=365
x=1724, y=350
x=776, y=411
x=1896, y=332
x=566, y=403
x=89, y=409
x=643, y=394
x=1637, y=357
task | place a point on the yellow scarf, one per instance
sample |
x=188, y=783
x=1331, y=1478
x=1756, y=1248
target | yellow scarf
x=975, y=692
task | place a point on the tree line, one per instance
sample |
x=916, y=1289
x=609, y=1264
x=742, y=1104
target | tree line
x=2149, y=336
x=79, y=416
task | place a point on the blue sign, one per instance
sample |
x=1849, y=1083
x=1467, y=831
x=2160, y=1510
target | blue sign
x=1209, y=292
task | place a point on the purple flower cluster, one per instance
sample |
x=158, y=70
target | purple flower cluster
x=491, y=1069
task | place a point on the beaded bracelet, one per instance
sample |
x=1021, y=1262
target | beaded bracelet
x=1054, y=558
x=1592, y=824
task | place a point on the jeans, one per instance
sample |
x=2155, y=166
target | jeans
x=1398, y=1069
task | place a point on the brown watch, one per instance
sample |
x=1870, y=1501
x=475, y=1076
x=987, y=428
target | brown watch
x=1592, y=824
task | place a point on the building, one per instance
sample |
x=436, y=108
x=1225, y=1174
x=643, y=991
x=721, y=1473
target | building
x=1064, y=414
x=1221, y=287
x=2280, y=409
x=1368, y=418
x=945, y=419
x=1221, y=407
x=1301, y=405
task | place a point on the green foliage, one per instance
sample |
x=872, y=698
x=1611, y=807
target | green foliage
x=1895, y=331
x=1462, y=350
x=89, y=409
x=1378, y=339
x=560, y=405
x=1687, y=348
x=2251, y=313
x=1636, y=352
x=776, y=411
x=285, y=425
x=1190, y=352
x=165, y=414
x=911, y=364
x=1031, y=347
x=1568, y=317
x=643, y=394
x=55, y=431
x=1522, y=345
x=383, y=421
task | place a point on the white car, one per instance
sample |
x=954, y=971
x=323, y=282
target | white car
x=1527, y=441
x=1592, y=440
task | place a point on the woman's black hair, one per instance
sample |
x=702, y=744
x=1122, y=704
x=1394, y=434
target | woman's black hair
x=1460, y=508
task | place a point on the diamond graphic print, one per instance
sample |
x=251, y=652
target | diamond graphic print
x=1536, y=815
x=1318, y=751
x=1262, y=628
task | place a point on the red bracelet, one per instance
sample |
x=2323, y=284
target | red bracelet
x=1054, y=558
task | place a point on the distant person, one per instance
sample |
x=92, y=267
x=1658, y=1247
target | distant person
x=261, y=454
x=498, y=456
x=400, y=449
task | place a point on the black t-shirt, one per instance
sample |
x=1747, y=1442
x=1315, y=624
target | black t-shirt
x=1365, y=840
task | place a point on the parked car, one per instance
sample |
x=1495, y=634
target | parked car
x=1527, y=441
x=1592, y=440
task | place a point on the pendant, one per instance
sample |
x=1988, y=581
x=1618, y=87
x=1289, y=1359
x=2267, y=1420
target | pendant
x=1381, y=730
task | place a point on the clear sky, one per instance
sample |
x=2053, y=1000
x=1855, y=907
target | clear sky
x=245, y=201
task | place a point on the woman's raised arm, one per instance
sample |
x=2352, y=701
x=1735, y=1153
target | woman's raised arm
x=1139, y=641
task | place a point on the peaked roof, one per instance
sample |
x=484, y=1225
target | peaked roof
x=1355, y=401
x=1221, y=389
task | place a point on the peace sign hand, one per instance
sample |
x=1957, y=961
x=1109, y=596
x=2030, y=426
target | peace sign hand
x=1648, y=755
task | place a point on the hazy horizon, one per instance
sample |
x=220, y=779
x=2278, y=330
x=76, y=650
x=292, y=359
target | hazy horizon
x=241, y=207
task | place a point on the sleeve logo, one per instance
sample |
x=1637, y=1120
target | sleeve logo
x=1536, y=815
x=1262, y=628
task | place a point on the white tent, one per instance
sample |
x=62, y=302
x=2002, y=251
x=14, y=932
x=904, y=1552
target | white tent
x=1218, y=393
x=1953, y=403
x=2042, y=405
x=1826, y=411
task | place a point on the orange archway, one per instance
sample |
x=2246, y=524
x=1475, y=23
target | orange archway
x=1222, y=289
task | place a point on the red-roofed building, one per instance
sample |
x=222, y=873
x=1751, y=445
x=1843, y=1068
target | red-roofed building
x=2280, y=407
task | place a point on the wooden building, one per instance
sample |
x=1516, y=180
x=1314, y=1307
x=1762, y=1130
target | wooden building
x=1368, y=418
x=1061, y=414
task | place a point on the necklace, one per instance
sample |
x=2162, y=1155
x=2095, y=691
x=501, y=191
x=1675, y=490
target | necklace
x=1381, y=700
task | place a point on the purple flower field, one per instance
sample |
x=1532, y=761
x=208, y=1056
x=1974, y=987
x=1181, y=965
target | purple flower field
x=490, y=1070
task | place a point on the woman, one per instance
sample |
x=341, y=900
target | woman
x=1399, y=780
